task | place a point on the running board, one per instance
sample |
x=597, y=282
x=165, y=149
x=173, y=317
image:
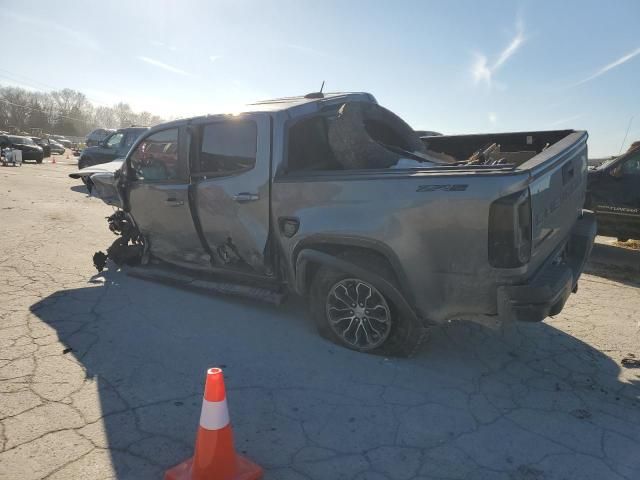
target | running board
x=176, y=279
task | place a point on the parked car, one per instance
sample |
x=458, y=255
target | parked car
x=613, y=193
x=337, y=199
x=97, y=136
x=115, y=145
x=30, y=151
x=62, y=140
x=56, y=147
x=44, y=144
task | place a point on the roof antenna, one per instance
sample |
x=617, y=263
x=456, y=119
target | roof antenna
x=316, y=94
x=625, y=135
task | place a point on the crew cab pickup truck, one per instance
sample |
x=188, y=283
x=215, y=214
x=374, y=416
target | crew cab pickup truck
x=335, y=198
x=613, y=193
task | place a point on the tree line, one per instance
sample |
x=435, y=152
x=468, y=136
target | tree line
x=64, y=112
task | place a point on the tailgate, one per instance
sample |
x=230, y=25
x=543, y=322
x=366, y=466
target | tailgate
x=558, y=185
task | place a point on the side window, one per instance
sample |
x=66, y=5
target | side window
x=156, y=157
x=631, y=166
x=128, y=140
x=228, y=148
x=114, y=140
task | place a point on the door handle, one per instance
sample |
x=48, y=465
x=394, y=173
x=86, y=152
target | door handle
x=246, y=197
x=174, y=202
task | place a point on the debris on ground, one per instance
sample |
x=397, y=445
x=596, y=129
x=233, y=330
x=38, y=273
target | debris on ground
x=99, y=260
x=630, y=361
x=581, y=413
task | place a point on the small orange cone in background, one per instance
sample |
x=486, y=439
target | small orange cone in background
x=215, y=457
x=53, y=159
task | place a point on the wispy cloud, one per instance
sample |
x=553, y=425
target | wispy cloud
x=213, y=58
x=303, y=49
x=483, y=71
x=611, y=66
x=164, y=66
x=564, y=121
x=70, y=35
x=493, y=118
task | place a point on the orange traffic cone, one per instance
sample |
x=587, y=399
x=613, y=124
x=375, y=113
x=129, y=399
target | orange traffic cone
x=215, y=458
x=53, y=159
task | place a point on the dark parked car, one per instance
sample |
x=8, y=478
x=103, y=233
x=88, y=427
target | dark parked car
x=97, y=136
x=114, y=146
x=62, y=140
x=30, y=151
x=56, y=147
x=44, y=144
x=613, y=193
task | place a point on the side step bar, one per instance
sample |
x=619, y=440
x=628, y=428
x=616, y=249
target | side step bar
x=176, y=279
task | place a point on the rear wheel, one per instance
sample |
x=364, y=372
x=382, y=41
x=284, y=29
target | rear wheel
x=354, y=313
x=39, y=159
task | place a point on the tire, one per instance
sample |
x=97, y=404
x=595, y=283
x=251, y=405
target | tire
x=39, y=160
x=401, y=336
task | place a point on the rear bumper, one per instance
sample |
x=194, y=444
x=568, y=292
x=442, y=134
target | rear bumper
x=546, y=293
x=31, y=155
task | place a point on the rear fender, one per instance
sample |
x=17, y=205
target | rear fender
x=308, y=257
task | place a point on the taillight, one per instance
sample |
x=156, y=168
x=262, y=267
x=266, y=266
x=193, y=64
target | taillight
x=510, y=230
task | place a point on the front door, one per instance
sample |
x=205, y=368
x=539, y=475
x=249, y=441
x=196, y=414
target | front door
x=108, y=150
x=231, y=160
x=158, y=197
x=616, y=198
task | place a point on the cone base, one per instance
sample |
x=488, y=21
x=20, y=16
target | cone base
x=247, y=470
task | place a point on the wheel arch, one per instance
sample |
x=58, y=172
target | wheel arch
x=352, y=255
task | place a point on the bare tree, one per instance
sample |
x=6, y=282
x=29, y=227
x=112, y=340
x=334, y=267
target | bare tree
x=66, y=112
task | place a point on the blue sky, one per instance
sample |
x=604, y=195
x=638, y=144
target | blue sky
x=450, y=66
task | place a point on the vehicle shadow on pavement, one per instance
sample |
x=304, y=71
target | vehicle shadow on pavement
x=526, y=401
x=79, y=189
x=615, y=263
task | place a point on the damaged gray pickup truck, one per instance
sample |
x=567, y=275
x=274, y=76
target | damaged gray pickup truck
x=337, y=199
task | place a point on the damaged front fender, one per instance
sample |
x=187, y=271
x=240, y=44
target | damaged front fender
x=128, y=249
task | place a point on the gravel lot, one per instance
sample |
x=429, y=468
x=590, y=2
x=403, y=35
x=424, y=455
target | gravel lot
x=101, y=376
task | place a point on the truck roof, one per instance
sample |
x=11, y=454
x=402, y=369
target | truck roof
x=286, y=103
x=293, y=106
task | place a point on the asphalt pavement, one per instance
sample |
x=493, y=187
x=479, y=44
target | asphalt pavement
x=101, y=375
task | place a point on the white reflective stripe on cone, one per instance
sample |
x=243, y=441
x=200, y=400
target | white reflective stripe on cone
x=214, y=415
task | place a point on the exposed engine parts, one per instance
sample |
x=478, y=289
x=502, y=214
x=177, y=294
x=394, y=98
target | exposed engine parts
x=127, y=249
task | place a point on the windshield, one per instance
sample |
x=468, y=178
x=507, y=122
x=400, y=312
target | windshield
x=21, y=140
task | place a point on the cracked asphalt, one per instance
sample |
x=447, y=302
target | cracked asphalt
x=101, y=376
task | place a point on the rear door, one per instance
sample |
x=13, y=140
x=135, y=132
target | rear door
x=158, y=196
x=231, y=159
